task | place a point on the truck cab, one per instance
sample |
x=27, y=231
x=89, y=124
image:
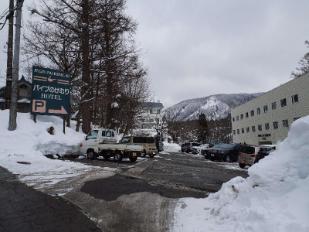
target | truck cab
x=98, y=136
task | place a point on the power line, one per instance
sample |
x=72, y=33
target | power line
x=7, y=14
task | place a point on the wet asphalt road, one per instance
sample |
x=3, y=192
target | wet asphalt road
x=173, y=175
x=23, y=209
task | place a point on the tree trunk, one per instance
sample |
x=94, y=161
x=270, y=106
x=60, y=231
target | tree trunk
x=85, y=93
x=9, y=63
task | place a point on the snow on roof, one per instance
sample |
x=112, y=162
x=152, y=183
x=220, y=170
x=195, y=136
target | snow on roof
x=23, y=100
x=145, y=132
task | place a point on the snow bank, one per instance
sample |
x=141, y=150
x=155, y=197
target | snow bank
x=273, y=198
x=171, y=147
x=21, y=151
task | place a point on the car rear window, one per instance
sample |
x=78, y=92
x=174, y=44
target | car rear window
x=196, y=144
x=227, y=146
x=247, y=149
x=143, y=140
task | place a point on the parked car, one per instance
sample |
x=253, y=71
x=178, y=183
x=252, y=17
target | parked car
x=199, y=149
x=265, y=150
x=187, y=147
x=222, y=152
x=148, y=143
x=247, y=155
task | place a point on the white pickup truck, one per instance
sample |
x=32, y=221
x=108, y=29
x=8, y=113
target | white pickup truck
x=102, y=142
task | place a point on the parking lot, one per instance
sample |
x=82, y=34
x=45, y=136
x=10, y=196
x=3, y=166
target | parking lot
x=177, y=170
x=141, y=196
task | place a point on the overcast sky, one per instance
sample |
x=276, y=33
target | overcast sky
x=203, y=47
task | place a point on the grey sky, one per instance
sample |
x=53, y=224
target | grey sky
x=203, y=47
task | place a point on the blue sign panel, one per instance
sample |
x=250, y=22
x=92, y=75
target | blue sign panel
x=51, y=90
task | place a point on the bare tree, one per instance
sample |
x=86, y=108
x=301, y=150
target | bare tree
x=303, y=64
x=96, y=38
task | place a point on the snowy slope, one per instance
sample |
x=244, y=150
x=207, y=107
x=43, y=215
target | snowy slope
x=214, y=107
x=273, y=198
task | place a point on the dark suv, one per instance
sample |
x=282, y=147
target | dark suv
x=264, y=151
x=188, y=147
x=222, y=152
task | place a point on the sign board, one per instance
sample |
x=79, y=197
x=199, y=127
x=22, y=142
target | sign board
x=50, y=92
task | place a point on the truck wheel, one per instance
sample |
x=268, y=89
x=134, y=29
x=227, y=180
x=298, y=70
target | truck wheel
x=143, y=153
x=228, y=159
x=118, y=157
x=133, y=159
x=242, y=165
x=151, y=155
x=91, y=154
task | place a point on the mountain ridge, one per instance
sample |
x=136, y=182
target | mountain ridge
x=216, y=106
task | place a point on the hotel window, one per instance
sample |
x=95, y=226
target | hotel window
x=265, y=108
x=242, y=130
x=258, y=111
x=266, y=126
x=276, y=125
x=283, y=102
x=252, y=113
x=247, y=115
x=295, y=98
x=233, y=119
x=285, y=123
x=253, y=128
x=238, y=131
x=248, y=129
x=234, y=132
x=274, y=105
x=241, y=116
x=260, y=127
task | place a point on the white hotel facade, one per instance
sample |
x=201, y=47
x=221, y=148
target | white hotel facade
x=267, y=118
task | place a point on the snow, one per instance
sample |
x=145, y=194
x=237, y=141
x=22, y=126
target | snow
x=273, y=198
x=114, y=105
x=214, y=107
x=145, y=132
x=171, y=147
x=22, y=150
x=24, y=100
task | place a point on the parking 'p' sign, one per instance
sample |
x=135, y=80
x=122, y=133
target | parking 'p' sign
x=51, y=92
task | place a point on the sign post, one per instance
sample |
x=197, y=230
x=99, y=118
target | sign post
x=51, y=91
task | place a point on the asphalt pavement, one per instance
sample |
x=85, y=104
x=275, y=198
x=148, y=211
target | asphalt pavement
x=179, y=171
x=23, y=209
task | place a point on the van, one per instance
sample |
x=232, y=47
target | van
x=247, y=155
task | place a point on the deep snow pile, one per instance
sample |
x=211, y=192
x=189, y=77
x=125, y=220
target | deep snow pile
x=171, y=147
x=273, y=198
x=21, y=151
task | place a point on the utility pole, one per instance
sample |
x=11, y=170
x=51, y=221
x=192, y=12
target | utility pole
x=9, y=56
x=13, y=105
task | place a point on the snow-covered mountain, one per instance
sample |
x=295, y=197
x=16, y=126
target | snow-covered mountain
x=214, y=106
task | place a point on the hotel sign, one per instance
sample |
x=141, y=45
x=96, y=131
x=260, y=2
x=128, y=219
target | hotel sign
x=51, y=90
